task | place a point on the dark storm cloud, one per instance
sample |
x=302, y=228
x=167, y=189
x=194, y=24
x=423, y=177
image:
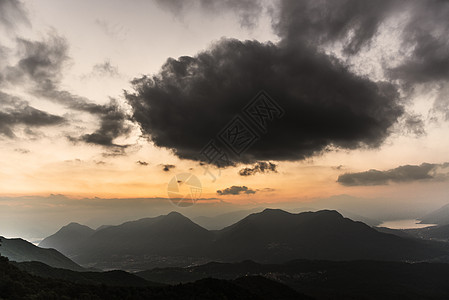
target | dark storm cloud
x=407, y=173
x=15, y=112
x=259, y=167
x=167, y=168
x=192, y=98
x=248, y=11
x=235, y=190
x=41, y=64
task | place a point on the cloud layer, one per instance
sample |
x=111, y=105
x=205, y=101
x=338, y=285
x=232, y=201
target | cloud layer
x=407, y=173
x=235, y=190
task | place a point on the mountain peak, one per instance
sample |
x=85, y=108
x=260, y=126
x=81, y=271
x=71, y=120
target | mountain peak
x=274, y=212
x=75, y=225
x=175, y=214
x=329, y=212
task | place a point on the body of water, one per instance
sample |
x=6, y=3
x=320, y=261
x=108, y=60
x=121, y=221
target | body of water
x=404, y=224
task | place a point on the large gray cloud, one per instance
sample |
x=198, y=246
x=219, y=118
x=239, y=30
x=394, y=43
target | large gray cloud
x=192, y=98
x=407, y=173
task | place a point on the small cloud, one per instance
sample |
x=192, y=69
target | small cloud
x=22, y=151
x=115, y=151
x=105, y=69
x=266, y=190
x=236, y=190
x=167, y=168
x=259, y=167
x=414, y=124
x=142, y=163
x=114, y=31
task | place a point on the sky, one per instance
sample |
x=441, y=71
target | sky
x=104, y=103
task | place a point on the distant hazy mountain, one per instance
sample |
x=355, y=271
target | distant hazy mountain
x=439, y=216
x=68, y=238
x=269, y=236
x=275, y=236
x=20, y=250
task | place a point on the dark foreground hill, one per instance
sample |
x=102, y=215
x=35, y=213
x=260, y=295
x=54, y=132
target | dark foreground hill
x=329, y=279
x=20, y=250
x=112, y=278
x=17, y=284
x=271, y=236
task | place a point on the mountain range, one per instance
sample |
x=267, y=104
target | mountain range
x=270, y=236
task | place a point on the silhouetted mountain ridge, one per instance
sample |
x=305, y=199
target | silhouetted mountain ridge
x=272, y=235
